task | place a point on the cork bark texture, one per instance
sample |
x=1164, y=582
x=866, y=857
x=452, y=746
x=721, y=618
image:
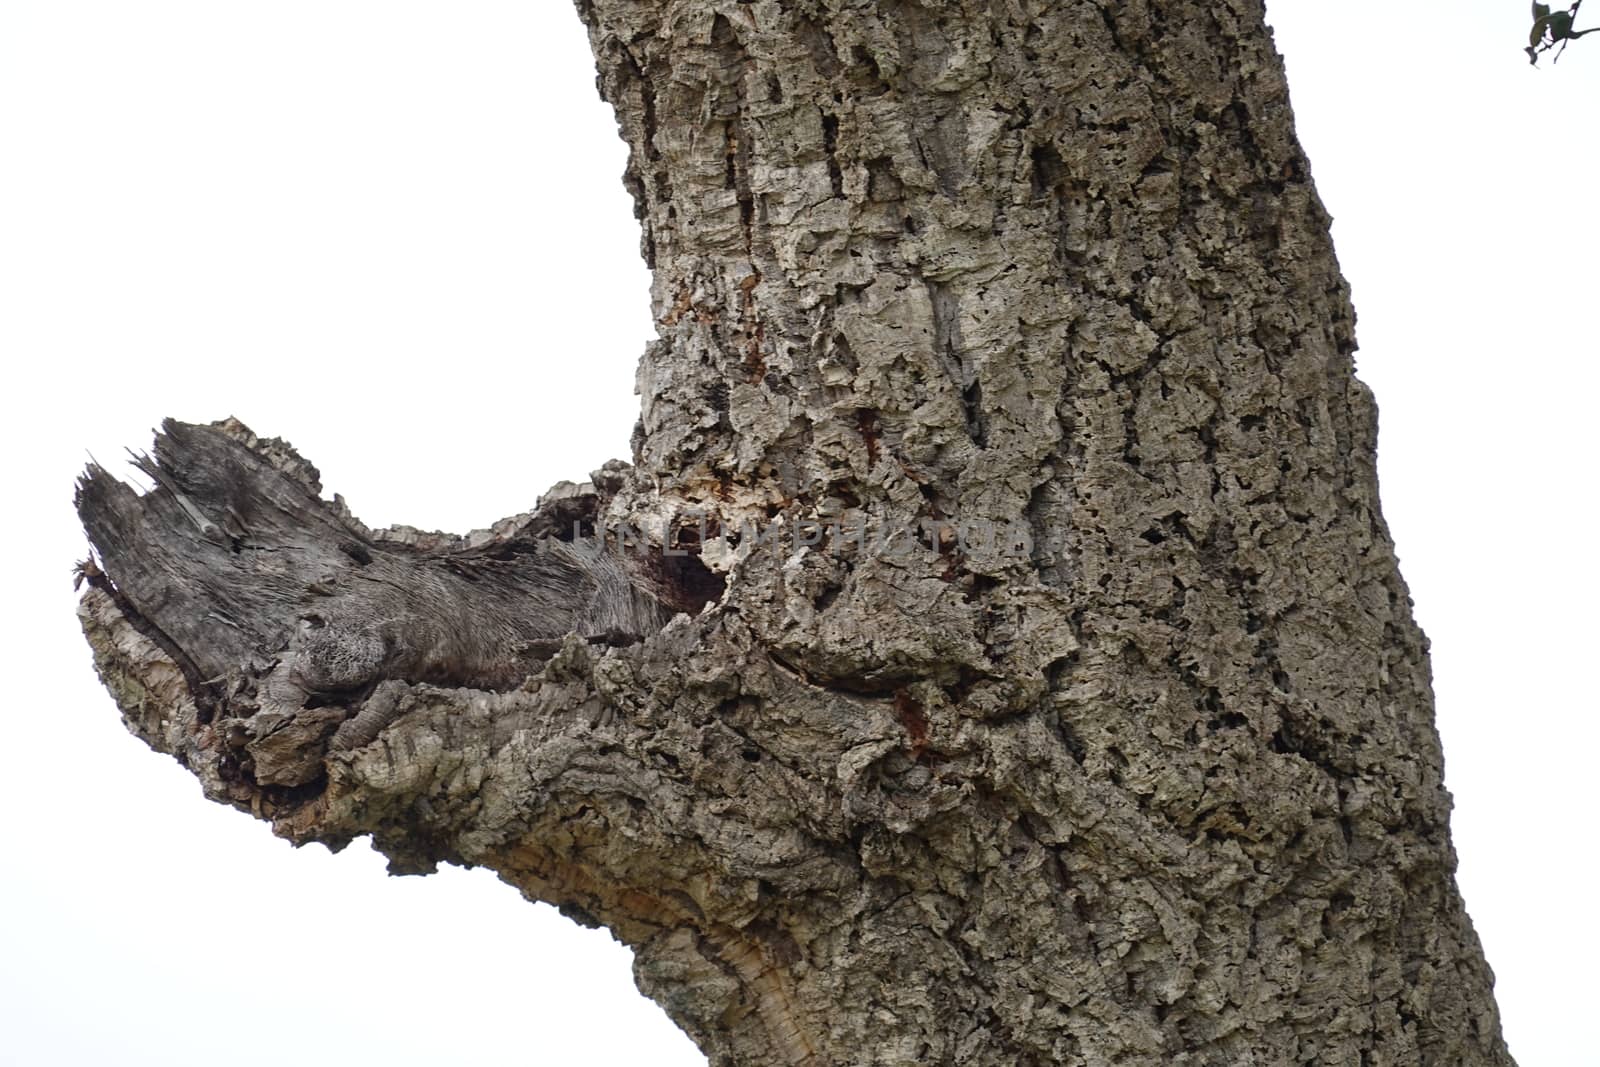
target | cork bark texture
x=1013, y=667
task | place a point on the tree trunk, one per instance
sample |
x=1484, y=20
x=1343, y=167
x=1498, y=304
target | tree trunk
x=1058, y=699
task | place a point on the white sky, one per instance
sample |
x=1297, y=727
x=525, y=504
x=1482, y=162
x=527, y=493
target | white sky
x=393, y=233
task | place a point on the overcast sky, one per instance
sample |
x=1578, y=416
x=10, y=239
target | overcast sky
x=394, y=234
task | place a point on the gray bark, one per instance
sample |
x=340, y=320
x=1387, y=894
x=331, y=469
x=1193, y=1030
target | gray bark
x=1126, y=755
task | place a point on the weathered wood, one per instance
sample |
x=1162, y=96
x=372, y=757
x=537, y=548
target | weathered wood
x=284, y=612
x=1160, y=787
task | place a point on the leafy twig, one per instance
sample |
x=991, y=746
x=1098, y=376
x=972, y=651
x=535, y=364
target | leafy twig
x=1551, y=28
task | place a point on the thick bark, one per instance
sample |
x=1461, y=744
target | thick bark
x=1139, y=768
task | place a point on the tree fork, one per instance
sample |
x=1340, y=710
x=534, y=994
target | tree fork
x=1118, y=746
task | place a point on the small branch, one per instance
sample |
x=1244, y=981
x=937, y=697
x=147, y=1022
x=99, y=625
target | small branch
x=296, y=630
